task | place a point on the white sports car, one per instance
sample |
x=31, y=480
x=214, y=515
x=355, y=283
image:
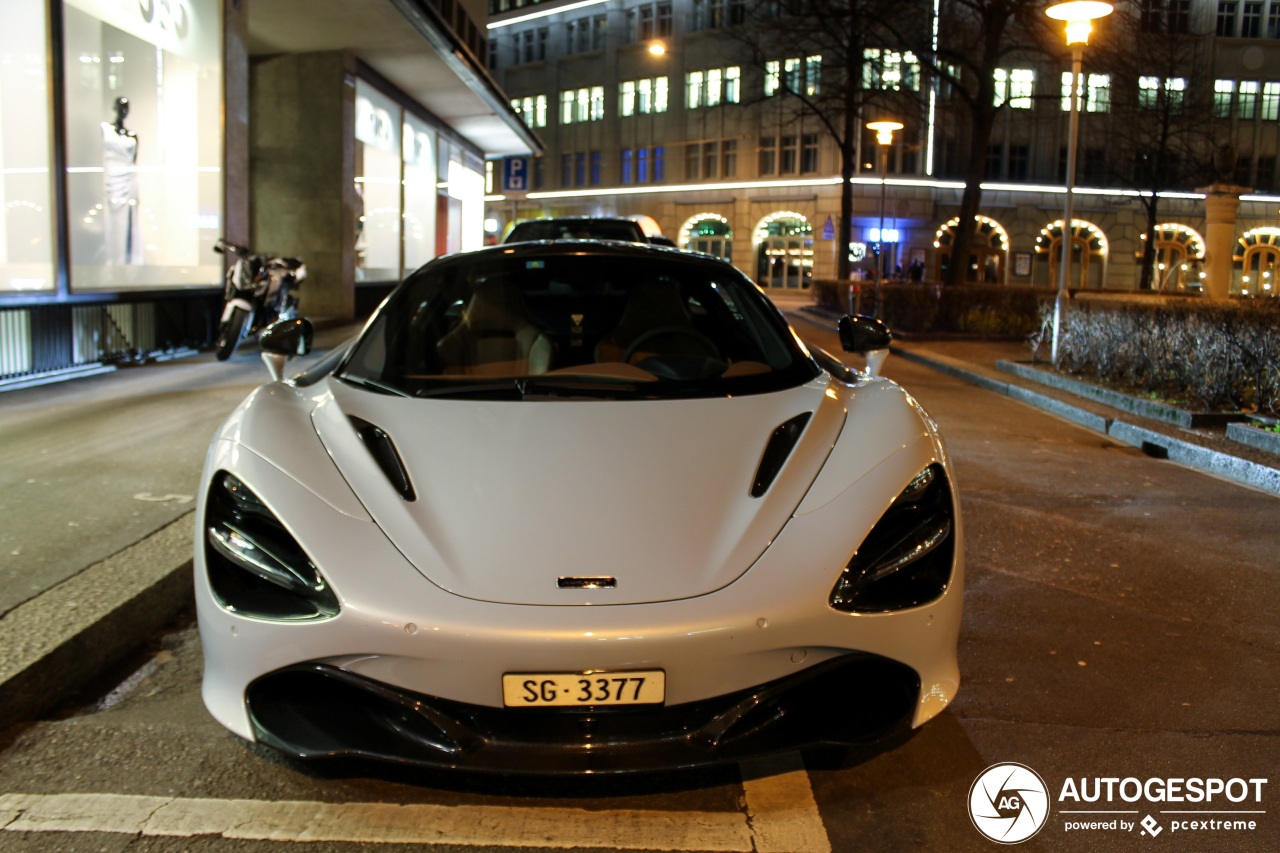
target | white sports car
x=577, y=506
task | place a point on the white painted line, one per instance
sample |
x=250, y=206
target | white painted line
x=781, y=817
x=780, y=806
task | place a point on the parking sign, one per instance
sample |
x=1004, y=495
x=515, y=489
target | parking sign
x=515, y=174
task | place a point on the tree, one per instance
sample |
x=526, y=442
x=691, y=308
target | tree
x=812, y=54
x=1158, y=135
x=976, y=37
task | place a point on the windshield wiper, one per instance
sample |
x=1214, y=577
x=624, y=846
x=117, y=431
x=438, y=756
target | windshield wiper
x=373, y=385
x=506, y=389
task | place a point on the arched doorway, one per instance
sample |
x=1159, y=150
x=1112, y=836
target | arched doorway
x=1179, y=257
x=988, y=260
x=1257, y=258
x=1088, y=253
x=784, y=251
x=709, y=233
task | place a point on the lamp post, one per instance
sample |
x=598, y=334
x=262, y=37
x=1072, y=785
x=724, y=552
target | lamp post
x=1078, y=15
x=884, y=136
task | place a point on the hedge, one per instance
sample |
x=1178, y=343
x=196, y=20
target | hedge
x=971, y=309
x=1216, y=356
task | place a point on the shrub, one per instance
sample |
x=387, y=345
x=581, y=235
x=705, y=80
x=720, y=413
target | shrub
x=978, y=310
x=1213, y=355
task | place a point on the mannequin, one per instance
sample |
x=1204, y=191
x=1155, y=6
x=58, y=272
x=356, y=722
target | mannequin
x=120, y=189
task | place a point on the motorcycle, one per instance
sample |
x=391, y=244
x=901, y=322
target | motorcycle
x=259, y=290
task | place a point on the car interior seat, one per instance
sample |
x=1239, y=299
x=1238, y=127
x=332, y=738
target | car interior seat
x=496, y=336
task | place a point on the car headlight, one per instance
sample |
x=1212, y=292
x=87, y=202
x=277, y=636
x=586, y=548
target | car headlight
x=255, y=567
x=906, y=559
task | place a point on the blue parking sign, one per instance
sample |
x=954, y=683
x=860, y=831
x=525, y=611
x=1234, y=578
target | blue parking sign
x=515, y=174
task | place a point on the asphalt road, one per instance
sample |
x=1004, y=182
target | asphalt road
x=1120, y=623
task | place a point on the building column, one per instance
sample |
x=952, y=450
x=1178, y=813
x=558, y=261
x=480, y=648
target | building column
x=1220, y=205
x=302, y=136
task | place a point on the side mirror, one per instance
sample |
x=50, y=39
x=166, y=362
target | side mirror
x=868, y=337
x=283, y=340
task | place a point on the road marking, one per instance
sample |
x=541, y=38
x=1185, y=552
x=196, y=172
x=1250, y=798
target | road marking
x=780, y=816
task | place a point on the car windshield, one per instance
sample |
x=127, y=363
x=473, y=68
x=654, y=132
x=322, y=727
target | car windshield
x=576, y=229
x=528, y=323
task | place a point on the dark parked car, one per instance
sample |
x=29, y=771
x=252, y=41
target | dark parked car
x=578, y=228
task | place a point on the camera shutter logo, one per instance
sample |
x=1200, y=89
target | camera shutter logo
x=1008, y=803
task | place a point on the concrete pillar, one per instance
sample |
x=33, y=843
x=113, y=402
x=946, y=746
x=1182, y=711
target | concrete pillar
x=302, y=172
x=1220, y=205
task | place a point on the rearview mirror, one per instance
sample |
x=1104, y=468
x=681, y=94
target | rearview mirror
x=868, y=337
x=283, y=340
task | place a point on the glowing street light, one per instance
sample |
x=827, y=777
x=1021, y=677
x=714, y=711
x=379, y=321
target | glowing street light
x=1079, y=16
x=657, y=48
x=884, y=130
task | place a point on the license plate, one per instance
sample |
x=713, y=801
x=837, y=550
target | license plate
x=583, y=689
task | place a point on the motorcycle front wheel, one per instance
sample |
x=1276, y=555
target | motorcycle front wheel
x=231, y=333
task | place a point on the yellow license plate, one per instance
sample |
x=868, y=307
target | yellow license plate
x=583, y=689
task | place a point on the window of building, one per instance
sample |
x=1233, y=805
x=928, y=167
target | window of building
x=26, y=198
x=809, y=153
x=693, y=161
x=644, y=165
x=1271, y=101
x=582, y=105
x=994, y=169
x=1096, y=94
x=532, y=109
x=1223, y=92
x=642, y=96
x=714, y=14
x=711, y=159
x=788, y=151
x=585, y=34
x=143, y=146
x=694, y=89
x=1019, y=162
x=768, y=155
x=1015, y=86
x=1247, y=99
x=1155, y=93
x=1273, y=20
x=649, y=21
x=729, y=158
x=1251, y=20
x=890, y=69
x=1226, y=18
x=712, y=86
x=531, y=45
x=795, y=74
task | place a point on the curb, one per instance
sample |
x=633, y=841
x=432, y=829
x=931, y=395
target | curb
x=1152, y=443
x=52, y=645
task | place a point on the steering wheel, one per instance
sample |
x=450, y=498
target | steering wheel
x=703, y=342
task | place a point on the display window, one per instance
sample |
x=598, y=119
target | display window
x=144, y=142
x=26, y=209
x=419, y=193
x=379, y=137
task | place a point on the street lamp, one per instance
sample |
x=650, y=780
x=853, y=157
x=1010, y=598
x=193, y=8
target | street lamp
x=884, y=136
x=1079, y=16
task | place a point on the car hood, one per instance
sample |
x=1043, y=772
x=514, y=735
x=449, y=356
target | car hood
x=510, y=497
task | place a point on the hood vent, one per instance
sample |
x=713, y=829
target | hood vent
x=384, y=453
x=780, y=445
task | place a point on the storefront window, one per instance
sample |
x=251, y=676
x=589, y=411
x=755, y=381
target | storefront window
x=419, y=193
x=26, y=209
x=144, y=142
x=378, y=159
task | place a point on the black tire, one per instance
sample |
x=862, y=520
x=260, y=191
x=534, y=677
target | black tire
x=230, y=333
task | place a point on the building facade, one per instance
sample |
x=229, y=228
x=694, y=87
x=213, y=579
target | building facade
x=133, y=135
x=703, y=141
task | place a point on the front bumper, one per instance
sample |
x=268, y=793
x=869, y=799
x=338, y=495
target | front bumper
x=316, y=711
